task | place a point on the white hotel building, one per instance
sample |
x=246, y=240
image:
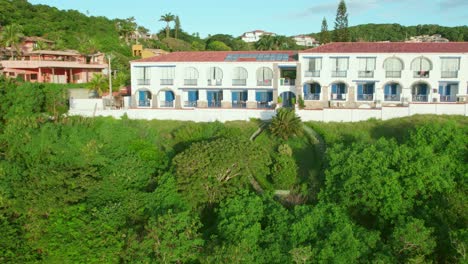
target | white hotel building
x=336, y=75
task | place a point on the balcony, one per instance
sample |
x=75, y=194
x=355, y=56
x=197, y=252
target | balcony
x=312, y=74
x=215, y=82
x=339, y=73
x=239, y=82
x=449, y=74
x=166, y=104
x=287, y=82
x=263, y=82
x=421, y=74
x=144, y=103
x=338, y=97
x=392, y=97
x=190, y=103
x=190, y=82
x=448, y=98
x=365, y=97
x=420, y=98
x=167, y=81
x=143, y=81
x=312, y=97
x=366, y=74
x=393, y=74
x=239, y=104
x=264, y=105
x=214, y=104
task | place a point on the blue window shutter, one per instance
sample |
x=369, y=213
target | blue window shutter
x=235, y=96
x=306, y=91
x=387, y=89
x=448, y=89
x=372, y=86
x=209, y=96
x=334, y=88
x=270, y=96
x=244, y=96
x=424, y=89
x=359, y=89
x=441, y=90
x=141, y=95
x=193, y=96
x=169, y=96
x=258, y=96
x=318, y=89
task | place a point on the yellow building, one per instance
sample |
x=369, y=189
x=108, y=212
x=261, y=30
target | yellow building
x=139, y=51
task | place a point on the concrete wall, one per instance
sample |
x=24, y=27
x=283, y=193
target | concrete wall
x=86, y=104
x=82, y=107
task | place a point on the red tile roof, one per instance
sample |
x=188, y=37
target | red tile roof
x=391, y=47
x=211, y=56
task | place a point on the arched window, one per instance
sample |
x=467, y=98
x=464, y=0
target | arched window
x=421, y=67
x=264, y=76
x=215, y=76
x=239, y=76
x=190, y=76
x=392, y=91
x=393, y=67
x=312, y=91
x=420, y=92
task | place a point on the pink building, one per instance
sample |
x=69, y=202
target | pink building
x=51, y=66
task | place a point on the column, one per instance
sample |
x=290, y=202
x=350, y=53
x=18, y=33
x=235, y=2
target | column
x=202, y=99
x=251, y=102
x=227, y=99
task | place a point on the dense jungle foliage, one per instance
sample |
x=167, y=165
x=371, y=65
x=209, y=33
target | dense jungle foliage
x=101, y=190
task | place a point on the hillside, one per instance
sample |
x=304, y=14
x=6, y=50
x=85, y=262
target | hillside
x=397, y=32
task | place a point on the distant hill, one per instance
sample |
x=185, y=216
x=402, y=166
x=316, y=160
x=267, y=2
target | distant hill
x=397, y=32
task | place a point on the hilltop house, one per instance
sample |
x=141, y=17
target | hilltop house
x=51, y=66
x=335, y=75
x=307, y=41
x=254, y=36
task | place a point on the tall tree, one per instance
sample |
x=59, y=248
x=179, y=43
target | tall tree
x=324, y=34
x=176, y=26
x=11, y=36
x=341, y=33
x=168, y=18
x=266, y=42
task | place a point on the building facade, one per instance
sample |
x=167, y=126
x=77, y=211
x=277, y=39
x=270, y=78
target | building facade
x=336, y=75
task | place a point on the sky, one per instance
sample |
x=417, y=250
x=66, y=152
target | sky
x=288, y=18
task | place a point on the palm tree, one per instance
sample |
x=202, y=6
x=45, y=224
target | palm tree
x=168, y=18
x=97, y=83
x=11, y=36
x=286, y=124
x=266, y=42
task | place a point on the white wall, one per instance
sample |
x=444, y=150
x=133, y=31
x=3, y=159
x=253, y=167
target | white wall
x=86, y=104
x=325, y=115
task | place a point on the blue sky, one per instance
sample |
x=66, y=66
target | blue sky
x=282, y=17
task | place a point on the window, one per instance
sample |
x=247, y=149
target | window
x=239, y=76
x=143, y=75
x=215, y=76
x=421, y=67
x=420, y=92
x=393, y=67
x=192, y=99
x=314, y=67
x=339, y=67
x=264, y=99
x=33, y=76
x=392, y=92
x=338, y=91
x=450, y=67
x=239, y=99
x=312, y=91
x=190, y=76
x=264, y=76
x=167, y=75
x=366, y=67
x=448, y=92
x=365, y=91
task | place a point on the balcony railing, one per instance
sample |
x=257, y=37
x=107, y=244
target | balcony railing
x=287, y=82
x=393, y=74
x=338, y=97
x=239, y=104
x=420, y=98
x=166, y=104
x=339, y=73
x=449, y=74
x=215, y=104
x=144, y=103
x=365, y=97
x=392, y=97
x=366, y=74
x=311, y=96
x=239, y=82
x=421, y=74
x=190, y=104
x=312, y=74
x=448, y=98
x=264, y=105
x=263, y=82
x=215, y=82
x=191, y=82
x=167, y=81
x=143, y=81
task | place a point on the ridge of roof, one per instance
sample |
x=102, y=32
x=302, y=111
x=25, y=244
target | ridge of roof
x=391, y=47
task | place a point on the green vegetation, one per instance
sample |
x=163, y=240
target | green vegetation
x=84, y=190
x=340, y=34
